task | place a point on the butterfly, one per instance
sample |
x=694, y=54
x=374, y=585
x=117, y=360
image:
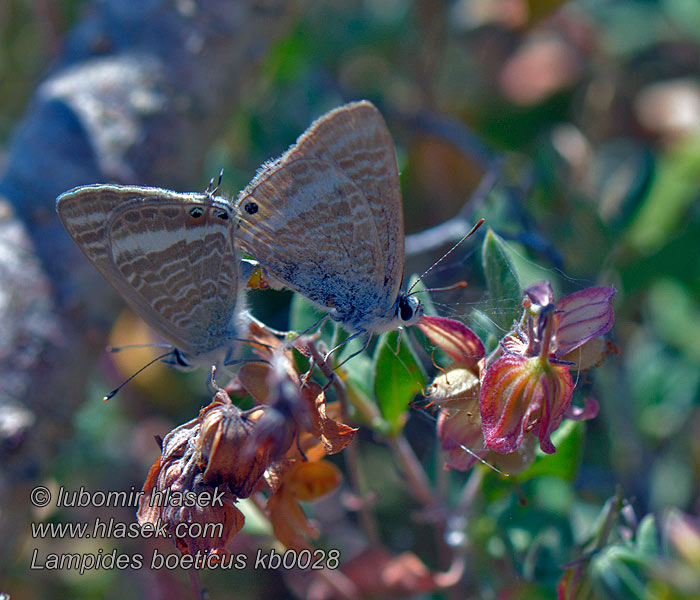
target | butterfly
x=326, y=220
x=172, y=257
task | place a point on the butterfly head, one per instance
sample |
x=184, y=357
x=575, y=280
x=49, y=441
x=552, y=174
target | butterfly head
x=409, y=309
x=178, y=360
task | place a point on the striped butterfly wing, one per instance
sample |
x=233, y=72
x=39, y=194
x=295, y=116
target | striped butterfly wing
x=326, y=218
x=170, y=255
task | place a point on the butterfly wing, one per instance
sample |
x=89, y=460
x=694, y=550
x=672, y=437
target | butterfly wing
x=326, y=218
x=170, y=255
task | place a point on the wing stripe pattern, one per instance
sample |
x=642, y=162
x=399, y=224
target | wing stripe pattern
x=170, y=255
x=328, y=220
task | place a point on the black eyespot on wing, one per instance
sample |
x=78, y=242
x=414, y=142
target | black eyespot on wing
x=251, y=208
x=221, y=214
x=405, y=309
x=196, y=212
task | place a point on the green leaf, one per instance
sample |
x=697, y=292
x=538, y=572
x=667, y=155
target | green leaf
x=359, y=372
x=648, y=536
x=255, y=522
x=564, y=463
x=303, y=314
x=676, y=316
x=615, y=574
x=672, y=194
x=398, y=377
x=358, y=384
x=505, y=294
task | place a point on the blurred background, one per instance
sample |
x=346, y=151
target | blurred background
x=572, y=127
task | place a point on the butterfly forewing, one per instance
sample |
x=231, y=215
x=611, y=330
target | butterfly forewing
x=170, y=255
x=357, y=139
x=306, y=247
x=326, y=217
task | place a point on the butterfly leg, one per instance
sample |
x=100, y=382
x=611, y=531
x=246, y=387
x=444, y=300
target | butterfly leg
x=243, y=361
x=303, y=455
x=345, y=341
x=264, y=327
x=316, y=325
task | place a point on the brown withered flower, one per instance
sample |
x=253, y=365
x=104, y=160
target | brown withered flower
x=299, y=410
x=291, y=407
x=224, y=450
x=285, y=411
x=226, y=454
x=297, y=429
x=304, y=476
x=176, y=497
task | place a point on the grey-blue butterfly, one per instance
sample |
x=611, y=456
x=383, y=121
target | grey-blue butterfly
x=173, y=258
x=326, y=220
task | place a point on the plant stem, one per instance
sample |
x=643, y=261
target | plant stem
x=351, y=454
x=416, y=477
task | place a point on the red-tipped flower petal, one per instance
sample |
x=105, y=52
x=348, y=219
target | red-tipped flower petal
x=455, y=338
x=523, y=394
x=588, y=411
x=582, y=316
x=458, y=430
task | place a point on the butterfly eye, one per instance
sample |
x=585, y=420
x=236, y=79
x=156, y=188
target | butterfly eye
x=222, y=214
x=405, y=309
x=409, y=309
x=195, y=213
x=179, y=357
x=251, y=208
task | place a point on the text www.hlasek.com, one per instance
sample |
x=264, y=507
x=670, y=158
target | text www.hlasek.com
x=116, y=529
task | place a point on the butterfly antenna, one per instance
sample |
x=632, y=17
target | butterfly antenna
x=211, y=188
x=116, y=349
x=455, y=286
x=444, y=256
x=115, y=391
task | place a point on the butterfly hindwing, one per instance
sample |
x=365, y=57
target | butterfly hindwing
x=170, y=255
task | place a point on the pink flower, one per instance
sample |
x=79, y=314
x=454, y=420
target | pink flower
x=521, y=394
x=529, y=387
x=578, y=317
x=459, y=342
x=581, y=317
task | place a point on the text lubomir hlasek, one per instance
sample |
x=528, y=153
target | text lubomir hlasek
x=83, y=497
